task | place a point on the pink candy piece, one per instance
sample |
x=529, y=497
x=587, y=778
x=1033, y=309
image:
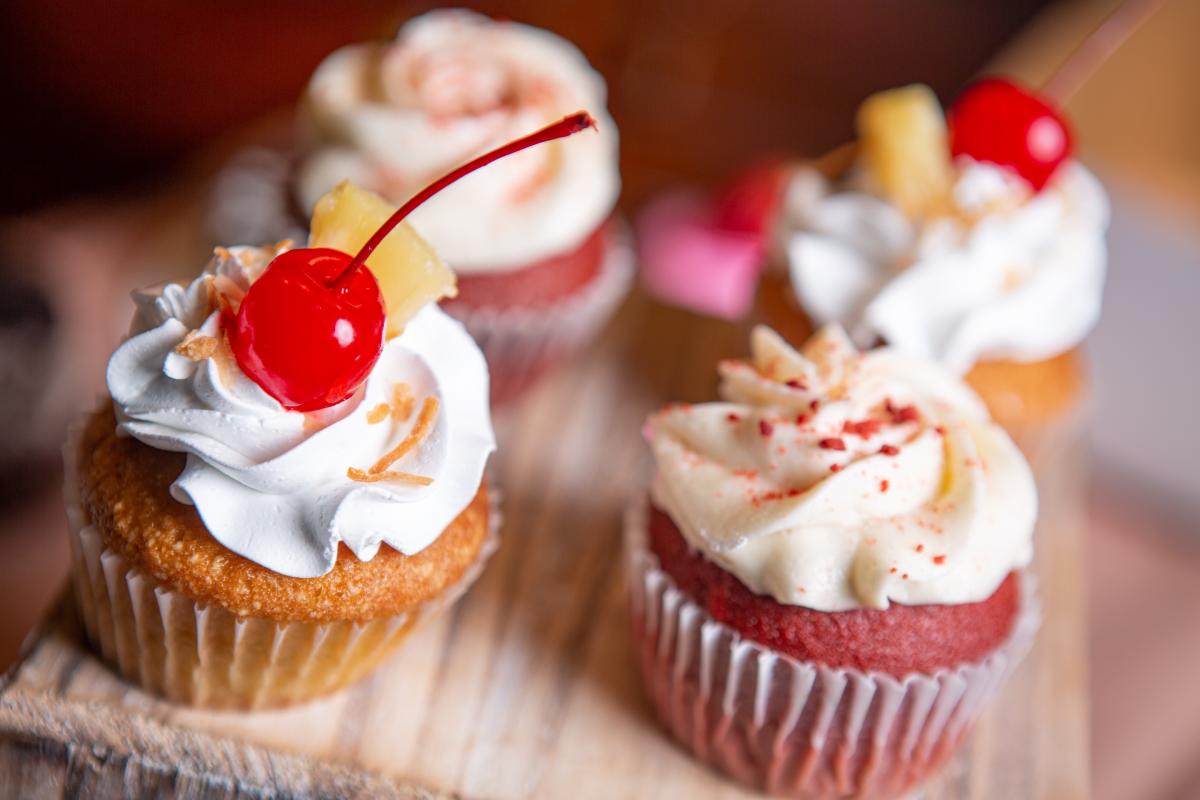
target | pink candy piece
x=688, y=261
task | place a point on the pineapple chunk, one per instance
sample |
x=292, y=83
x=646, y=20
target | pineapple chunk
x=409, y=272
x=902, y=133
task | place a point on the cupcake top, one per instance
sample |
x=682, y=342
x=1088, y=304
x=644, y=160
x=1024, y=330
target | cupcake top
x=392, y=116
x=282, y=487
x=835, y=480
x=957, y=256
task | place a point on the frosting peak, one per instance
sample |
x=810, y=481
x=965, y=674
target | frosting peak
x=834, y=480
x=274, y=485
x=392, y=117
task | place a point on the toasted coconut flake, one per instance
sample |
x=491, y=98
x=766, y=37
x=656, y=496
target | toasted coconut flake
x=420, y=430
x=388, y=475
x=378, y=414
x=403, y=401
x=229, y=294
x=197, y=346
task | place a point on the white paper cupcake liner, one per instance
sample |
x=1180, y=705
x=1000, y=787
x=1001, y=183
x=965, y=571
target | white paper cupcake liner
x=251, y=199
x=794, y=728
x=521, y=343
x=205, y=655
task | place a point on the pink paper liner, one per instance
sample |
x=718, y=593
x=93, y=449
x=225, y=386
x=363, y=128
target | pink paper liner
x=206, y=656
x=794, y=728
x=520, y=344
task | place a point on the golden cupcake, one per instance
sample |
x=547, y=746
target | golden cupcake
x=971, y=238
x=290, y=474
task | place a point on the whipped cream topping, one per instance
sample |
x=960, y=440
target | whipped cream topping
x=836, y=480
x=454, y=84
x=1004, y=274
x=273, y=485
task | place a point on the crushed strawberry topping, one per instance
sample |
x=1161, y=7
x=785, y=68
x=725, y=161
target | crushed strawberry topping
x=865, y=428
x=902, y=414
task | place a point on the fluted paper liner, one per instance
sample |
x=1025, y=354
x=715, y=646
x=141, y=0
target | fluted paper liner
x=207, y=656
x=520, y=343
x=794, y=728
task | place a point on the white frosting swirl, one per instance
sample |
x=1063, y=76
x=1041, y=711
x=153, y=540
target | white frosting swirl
x=1003, y=275
x=453, y=85
x=868, y=478
x=272, y=484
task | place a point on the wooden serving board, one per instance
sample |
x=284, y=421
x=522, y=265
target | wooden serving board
x=527, y=688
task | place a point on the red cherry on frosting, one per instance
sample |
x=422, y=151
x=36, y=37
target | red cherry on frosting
x=999, y=121
x=310, y=328
x=305, y=337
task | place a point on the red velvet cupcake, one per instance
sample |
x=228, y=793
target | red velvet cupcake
x=541, y=263
x=829, y=584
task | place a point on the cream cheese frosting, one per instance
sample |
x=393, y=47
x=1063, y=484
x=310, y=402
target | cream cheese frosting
x=454, y=84
x=835, y=480
x=1005, y=274
x=271, y=484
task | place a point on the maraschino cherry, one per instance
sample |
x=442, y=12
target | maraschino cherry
x=999, y=121
x=310, y=328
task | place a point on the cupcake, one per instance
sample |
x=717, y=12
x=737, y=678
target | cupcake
x=979, y=244
x=539, y=256
x=829, y=581
x=290, y=473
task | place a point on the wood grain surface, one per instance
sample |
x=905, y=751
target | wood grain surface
x=527, y=688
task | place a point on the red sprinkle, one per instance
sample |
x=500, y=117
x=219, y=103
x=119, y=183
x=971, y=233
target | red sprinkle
x=801, y=419
x=795, y=384
x=893, y=570
x=904, y=577
x=864, y=428
x=902, y=414
x=939, y=559
x=814, y=405
x=765, y=428
x=889, y=450
x=779, y=495
x=832, y=443
x=835, y=467
x=883, y=485
x=940, y=430
x=733, y=417
x=920, y=548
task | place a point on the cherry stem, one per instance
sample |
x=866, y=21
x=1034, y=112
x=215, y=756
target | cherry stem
x=1097, y=47
x=580, y=120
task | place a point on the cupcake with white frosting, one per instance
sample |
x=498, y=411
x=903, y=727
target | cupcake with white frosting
x=534, y=242
x=290, y=474
x=227, y=553
x=978, y=243
x=830, y=582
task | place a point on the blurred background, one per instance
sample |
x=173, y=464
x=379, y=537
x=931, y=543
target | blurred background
x=119, y=114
